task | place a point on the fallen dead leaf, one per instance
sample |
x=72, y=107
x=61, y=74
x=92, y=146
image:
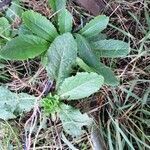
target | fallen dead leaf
x=93, y=6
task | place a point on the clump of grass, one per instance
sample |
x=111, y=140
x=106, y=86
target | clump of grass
x=124, y=121
x=9, y=136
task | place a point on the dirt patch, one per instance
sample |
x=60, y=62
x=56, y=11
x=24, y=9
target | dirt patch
x=93, y=6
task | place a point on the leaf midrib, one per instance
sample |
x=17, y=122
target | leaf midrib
x=88, y=82
x=50, y=27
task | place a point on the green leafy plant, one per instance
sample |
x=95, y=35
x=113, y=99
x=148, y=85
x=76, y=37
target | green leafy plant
x=60, y=49
x=38, y=36
x=76, y=87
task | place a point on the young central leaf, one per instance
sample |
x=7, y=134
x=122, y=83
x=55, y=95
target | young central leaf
x=39, y=25
x=24, y=47
x=50, y=104
x=80, y=86
x=61, y=56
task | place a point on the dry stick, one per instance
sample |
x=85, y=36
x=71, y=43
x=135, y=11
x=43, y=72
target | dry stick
x=24, y=83
x=39, y=129
x=59, y=140
x=46, y=147
x=32, y=121
x=114, y=11
x=143, y=53
x=90, y=141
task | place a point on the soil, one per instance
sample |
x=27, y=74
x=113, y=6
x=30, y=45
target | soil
x=93, y=6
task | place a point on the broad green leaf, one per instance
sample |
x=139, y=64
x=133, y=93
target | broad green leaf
x=7, y=99
x=24, y=30
x=73, y=120
x=6, y=115
x=97, y=37
x=87, y=55
x=12, y=104
x=95, y=26
x=83, y=65
x=4, y=27
x=2, y=43
x=65, y=21
x=39, y=25
x=14, y=11
x=61, y=56
x=26, y=102
x=56, y=5
x=110, y=48
x=24, y=47
x=80, y=86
